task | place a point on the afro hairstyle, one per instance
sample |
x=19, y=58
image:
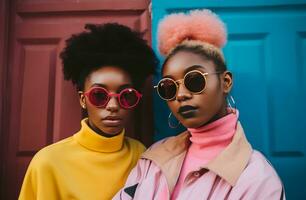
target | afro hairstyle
x=109, y=44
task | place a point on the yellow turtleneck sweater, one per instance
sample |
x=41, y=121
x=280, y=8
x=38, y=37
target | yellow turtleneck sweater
x=85, y=166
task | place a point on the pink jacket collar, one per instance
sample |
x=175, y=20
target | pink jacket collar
x=229, y=164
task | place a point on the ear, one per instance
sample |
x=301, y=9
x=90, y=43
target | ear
x=82, y=99
x=227, y=82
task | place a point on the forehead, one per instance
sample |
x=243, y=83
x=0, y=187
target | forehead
x=109, y=76
x=178, y=64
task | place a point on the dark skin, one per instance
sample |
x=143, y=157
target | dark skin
x=114, y=80
x=210, y=104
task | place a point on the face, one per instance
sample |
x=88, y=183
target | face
x=110, y=119
x=196, y=109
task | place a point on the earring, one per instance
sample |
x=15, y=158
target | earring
x=84, y=106
x=169, y=122
x=230, y=100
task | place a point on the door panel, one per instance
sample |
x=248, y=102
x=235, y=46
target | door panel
x=266, y=53
x=43, y=107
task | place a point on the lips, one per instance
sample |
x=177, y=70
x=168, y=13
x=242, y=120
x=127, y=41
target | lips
x=187, y=111
x=112, y=121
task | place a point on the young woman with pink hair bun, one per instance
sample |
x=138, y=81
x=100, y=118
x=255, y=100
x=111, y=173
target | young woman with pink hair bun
x=213, y=158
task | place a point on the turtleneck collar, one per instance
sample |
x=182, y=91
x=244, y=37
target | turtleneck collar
x=93, y=141
x=213, y=137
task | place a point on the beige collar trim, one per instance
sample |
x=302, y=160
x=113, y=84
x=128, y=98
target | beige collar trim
x=169, y=155
x=231, y=162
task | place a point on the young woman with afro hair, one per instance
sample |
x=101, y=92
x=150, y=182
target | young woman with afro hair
x=108, y=64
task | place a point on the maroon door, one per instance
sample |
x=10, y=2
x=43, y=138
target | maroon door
x=4, y=18
x=42, y=108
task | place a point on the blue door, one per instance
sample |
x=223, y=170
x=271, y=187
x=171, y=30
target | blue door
x=266, y=52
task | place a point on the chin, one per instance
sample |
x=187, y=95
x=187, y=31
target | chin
x=192, y=123
x=112, y=130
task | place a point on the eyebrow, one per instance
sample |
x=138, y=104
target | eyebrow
x=192, y=67
x=127, y=85
x=124, y=86
x=98, y=85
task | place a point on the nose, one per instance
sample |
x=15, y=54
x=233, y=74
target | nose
x=182, y=93
x=112, y=105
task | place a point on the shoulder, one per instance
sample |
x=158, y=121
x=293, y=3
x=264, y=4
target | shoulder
x=173, y=142
x=260, y=171
x=168, y=149
x=259, y=180
x=134, y=144
x=50, y=153
x=263, y=167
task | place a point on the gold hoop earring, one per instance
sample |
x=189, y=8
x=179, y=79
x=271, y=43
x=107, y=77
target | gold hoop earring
x=169, y=122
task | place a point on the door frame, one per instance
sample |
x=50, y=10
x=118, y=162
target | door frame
x=5, y=13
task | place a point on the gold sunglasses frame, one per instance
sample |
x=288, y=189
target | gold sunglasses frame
x=181, y=81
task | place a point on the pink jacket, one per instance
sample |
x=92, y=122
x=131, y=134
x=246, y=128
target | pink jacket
x=238, y=172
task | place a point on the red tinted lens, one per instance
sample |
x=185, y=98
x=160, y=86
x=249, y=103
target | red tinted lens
x=167, y=88
x=129, y=98
x=98, y=97
x=194, y=81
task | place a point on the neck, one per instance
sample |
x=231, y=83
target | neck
x=89, y=138
x=213, y=137
x=99, y=131
x=224, y=110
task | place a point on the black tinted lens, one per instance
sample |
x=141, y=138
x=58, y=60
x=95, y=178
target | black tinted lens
x=167, y=89
x=195, y=81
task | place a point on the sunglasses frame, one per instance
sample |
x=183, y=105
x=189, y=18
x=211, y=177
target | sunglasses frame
x=182, y=81
x=109, y=95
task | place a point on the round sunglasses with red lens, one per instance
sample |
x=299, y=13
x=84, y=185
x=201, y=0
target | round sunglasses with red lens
x=127, y=98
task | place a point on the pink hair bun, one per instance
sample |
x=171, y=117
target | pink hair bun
x=200, y=25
